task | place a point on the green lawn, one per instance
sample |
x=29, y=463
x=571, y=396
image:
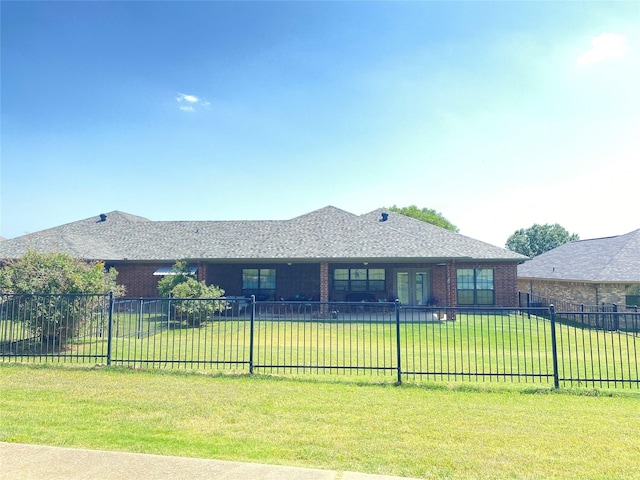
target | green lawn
x=441, y=431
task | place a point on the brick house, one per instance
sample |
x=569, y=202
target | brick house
x=327, y=255
x=589, y=272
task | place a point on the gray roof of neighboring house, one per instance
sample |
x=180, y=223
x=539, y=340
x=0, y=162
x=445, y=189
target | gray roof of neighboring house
x=328, y=233
x=607, y=260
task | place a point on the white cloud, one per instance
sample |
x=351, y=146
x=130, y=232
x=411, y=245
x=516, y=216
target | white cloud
x=187, y=98
x=189, y=102
x=604, y=47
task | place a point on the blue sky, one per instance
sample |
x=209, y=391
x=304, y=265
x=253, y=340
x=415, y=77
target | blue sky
x=499, y=115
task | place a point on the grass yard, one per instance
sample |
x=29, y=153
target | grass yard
x=431, y=431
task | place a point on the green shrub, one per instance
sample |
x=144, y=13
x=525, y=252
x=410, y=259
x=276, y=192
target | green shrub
x=49, y=284
x=193, y=305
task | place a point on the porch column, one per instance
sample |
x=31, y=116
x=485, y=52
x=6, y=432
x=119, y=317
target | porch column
x=451, y=283
x=324, y=281
x=202, y=272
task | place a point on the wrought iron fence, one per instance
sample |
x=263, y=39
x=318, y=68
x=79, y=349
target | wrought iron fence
x=527, y=300
x=383, y=339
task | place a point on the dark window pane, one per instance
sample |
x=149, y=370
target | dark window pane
x=484, y=297
x=359, y=285
x=465, y=278
x=341, y=274
x=341, y=285
x=465, y=297
x=632, y=300
x=484, y=278
x=267, y=278
x=358, y=274
x=250, y=278
x=376, y=274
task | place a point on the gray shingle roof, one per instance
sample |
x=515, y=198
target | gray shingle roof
x=328, y=233
x=611, y=259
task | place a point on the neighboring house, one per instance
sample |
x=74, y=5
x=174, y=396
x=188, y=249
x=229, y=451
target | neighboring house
x=327, y=255
x=589, y=272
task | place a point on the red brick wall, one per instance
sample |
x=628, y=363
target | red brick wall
x=138, y=278
x=304, y=279
x=439, y=289
x=295, y=279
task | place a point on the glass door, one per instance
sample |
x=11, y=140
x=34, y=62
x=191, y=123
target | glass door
x=413, y=286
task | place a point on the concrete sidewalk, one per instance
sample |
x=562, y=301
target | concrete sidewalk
x=36, y=462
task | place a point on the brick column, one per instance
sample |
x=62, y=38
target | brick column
x=324, y=281
x=202, y=272
x=451, y=284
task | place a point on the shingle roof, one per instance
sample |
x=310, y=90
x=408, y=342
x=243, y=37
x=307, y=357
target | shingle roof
x=328, y=233
x=611, y=259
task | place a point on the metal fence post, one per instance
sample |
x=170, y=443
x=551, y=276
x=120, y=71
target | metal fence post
x=110, y=329
x=398, y=342
x=554, y=346
x=251, y=330
x=140, y=314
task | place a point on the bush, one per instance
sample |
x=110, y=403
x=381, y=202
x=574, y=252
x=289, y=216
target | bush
x=54, y=320
x=193, y=305
x=50, y=286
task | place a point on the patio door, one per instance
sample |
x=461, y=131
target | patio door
x=413, y=286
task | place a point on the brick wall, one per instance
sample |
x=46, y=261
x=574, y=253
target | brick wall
x=139, y=279
x=506, y=285
x=291, y=280
x=305, y=279
x=576, y=292
x=439, y=288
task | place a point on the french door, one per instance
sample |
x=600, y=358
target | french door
x=413, y=286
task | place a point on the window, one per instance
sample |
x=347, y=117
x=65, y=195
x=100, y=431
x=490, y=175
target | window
x=632, y=297
x=259, y=280
x=632, y=301
x=475, y=286
x=359, y=279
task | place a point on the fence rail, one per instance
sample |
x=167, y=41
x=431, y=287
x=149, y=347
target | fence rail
x=389, y=340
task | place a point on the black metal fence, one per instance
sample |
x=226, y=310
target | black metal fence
x=527, y=300
x=386, y=340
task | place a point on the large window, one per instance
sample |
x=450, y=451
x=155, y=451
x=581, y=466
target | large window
x=259, y=281
x=359, y=279
x=475, y=286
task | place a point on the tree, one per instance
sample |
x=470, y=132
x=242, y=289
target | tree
x=426, y=215
x=56, y=294
x=539, y=239
x=193, y=304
